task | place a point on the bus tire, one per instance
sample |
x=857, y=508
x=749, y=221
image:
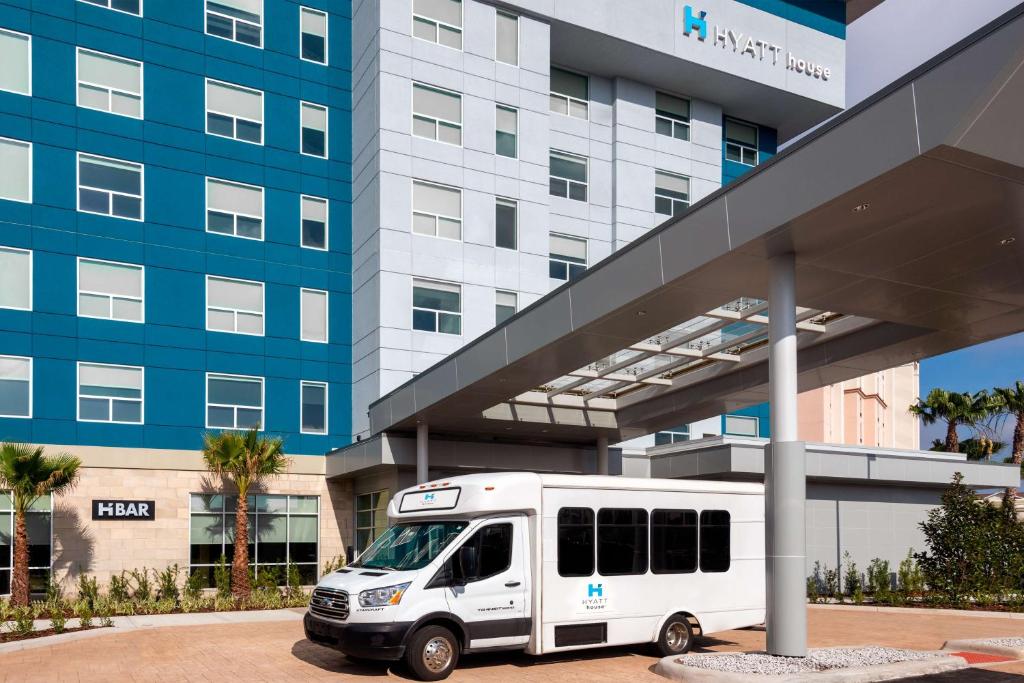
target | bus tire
x=432, y=653
x=676, y=637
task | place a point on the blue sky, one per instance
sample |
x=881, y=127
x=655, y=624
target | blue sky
x=995, y=363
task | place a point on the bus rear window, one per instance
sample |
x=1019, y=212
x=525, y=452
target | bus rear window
x=714, y=541
x=575, y=542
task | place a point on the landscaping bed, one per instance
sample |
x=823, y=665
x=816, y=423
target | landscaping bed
x=12, y=637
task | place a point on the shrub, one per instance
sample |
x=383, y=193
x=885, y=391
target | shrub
x=106, y=620
x=119, y=590
x=143, y=590
x=85, y=614
x=909, y=574
x=167, y=584
x=269, y=579
x=222, y=578
x=58, y=622
x=194, y=585
x=851, y=577
x=812, y=589
x=21, y=621
x=832, y=584
x=973, y=547
x=334, y=564
x=88, y=589
x=54, y=593
x=879, y=578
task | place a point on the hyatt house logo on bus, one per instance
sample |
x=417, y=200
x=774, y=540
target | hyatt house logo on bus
x=695, y=23
x=124, y=509
x=595, y=599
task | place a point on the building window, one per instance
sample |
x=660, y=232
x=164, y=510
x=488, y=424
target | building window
x=438, y=21
x=673, y=541
x=283, y=530
x=15, y=386
x=314, y=130
x=234, y=112
x=436, y=307
x=672, y=116
x=506, y=131
x=237, y=20
x=436, y=210
x=313, y=35
x=575, y=542
x=436, y=114
x=674, y=435
x=40, y=537
x=506, y=42
x=313, y=312
x=314, y=222
x=109, y=83
x=234, y=209
x=127, y=6
x=671, y=193
x=621, y=541
x=740, y=142
x=110, y=393
x=234, y=305
x=15, y=170
x=15, y=278
x=314, y=407
x=568, y=176
x=234, y=401
x=109, y=187
x=15, y=62
x=569, y=93
x=740, y=425
x=505, y=306
x=568, y=257
x=505, y=223
x=114, y=291
x=714, y=541
x=371, y=517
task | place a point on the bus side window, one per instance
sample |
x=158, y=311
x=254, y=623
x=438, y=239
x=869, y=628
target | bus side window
x=714, y=541
x=621, y=541
x=575, y=542
x=673, y=541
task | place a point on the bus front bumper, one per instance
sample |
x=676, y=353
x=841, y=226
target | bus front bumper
x=371, y=641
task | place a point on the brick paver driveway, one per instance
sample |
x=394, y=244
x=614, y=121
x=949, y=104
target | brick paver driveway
x=277, y=651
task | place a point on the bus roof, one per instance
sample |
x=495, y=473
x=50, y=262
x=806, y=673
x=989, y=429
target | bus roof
x=473, y=494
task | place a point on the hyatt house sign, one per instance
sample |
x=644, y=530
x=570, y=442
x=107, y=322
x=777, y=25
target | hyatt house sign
x=727, y=38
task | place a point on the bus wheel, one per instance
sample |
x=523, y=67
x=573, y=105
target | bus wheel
x=432, y=653
x=676, y=636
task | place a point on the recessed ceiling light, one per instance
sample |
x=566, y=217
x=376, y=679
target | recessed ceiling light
x=861, y=207
x=1007, y=241
x=641, y=313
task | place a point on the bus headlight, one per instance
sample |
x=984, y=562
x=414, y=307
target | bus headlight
x=379, y=597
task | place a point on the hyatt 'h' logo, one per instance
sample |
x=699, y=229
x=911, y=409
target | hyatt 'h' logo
x=595, y=590
x=691, y=22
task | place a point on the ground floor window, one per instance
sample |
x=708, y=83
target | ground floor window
x=40, y=533
x=371, y=517
x=283, y=530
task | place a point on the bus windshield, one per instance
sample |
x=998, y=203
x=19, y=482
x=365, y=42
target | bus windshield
x=410, y=545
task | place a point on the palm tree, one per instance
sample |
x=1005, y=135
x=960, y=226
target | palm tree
x=955, y=409
x=1009, y=401
x=30, y=475
x=247, y=459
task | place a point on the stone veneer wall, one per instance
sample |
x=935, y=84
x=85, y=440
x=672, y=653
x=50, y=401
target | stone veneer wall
x=103, y=548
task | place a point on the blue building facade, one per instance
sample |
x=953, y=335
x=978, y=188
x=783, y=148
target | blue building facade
x=165, y=189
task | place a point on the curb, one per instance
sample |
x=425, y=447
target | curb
x=981, y=614
x=137, y=622
x=979, y=645
x=672, y=669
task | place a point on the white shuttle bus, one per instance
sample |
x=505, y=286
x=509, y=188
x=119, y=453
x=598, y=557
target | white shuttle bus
x=547, y=563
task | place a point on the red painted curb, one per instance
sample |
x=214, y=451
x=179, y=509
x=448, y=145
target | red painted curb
x=973, y=658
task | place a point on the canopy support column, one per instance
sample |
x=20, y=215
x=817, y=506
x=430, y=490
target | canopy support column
x=785, y=473
x=602, y=455
x=422, y=453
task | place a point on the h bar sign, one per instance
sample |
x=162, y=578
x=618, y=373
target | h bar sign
x=124, y=509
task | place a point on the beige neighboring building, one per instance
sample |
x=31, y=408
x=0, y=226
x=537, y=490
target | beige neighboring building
x=867, y=411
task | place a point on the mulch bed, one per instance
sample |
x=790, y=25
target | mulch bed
x=8, y=637
x=926, y=605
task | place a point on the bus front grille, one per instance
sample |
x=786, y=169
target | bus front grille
x=329, y=603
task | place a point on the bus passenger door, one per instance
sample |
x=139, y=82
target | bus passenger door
x=488, y=589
